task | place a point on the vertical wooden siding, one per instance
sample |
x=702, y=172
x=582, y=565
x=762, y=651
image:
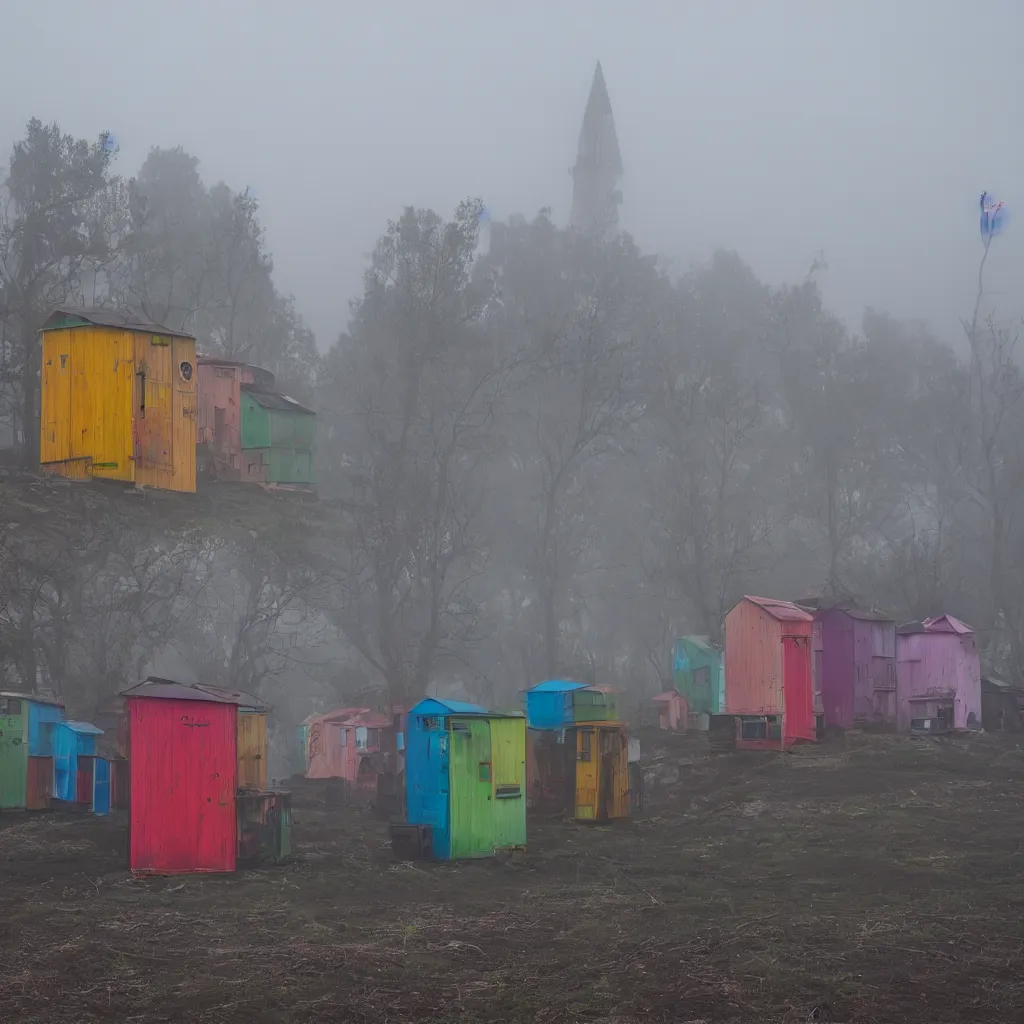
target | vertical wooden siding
x=753, y=661
x=252, y=750
x=166, y=441
x=508, y=761
x=85, y=405
x=183, y=781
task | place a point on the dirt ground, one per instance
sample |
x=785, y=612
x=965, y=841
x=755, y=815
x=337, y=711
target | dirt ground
x=867, y=879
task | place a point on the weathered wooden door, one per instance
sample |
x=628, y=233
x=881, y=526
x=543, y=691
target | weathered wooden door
x=13, y=752
x=153, y=406
x=472, y=827
x=614, y=790
x=586, y=774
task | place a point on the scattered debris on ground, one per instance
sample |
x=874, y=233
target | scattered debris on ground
x=866, y=879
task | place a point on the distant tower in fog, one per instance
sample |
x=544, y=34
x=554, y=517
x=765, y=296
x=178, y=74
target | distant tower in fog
x=595, y=196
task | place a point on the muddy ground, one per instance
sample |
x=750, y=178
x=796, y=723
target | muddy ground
x=869, y=879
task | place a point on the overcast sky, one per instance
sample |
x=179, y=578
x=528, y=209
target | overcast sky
x=862, y=128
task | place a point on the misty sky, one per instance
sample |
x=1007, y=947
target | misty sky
x=862, y=128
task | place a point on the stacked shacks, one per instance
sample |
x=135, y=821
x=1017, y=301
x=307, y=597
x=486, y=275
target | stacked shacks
x=578, y=751
x=465, y=777
x=27, y=724
x=938, y=672
x=854, y=665
x=768, y=689
x=188, y=813
x=698, y=672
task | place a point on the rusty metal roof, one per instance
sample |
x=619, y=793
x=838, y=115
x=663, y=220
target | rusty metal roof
x=275, y=400
x=168, y=689
x=101, y=316
x=784, y=611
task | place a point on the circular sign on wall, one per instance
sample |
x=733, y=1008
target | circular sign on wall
x=185, y=370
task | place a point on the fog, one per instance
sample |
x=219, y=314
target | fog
x=865, y=131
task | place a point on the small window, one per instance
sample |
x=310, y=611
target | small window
x=508, y=792
x=754, y=729
x=64, y=362
x=344, y=738
x=13, y=706
x=461, y=727
x=373, y=737
x=431, y=723
x=485, y=771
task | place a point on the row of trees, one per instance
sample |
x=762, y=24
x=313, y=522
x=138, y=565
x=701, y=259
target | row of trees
x=556, y=457
x=538, y=453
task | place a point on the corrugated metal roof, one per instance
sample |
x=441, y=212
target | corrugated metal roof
x=556, y=686
x=847, y=605
x=33, y=698
x=103, y=317
x=275, y=400
x=87, y=728
x=434, y=706
x=168, y=689
x=240, y=697
x=946, y=624
x=784, y=611
x=936, y=624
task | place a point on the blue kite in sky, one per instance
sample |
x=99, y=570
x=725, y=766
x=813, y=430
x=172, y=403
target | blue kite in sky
x=108, y=143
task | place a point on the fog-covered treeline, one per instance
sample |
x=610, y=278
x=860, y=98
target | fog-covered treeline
x=538, y=453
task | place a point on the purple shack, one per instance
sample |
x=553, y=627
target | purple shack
x=938, y=671
x=854, y=665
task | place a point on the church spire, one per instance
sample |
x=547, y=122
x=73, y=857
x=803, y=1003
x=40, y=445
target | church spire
x=595, y=198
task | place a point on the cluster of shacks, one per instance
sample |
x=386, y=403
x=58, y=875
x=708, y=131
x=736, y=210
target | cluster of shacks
x=469, y=774
x=123, y=398
x=199, y=797
x=790, y=670
x=47, y=759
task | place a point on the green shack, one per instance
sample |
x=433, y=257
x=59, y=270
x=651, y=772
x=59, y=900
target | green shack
x=465, y=782
x=249, y=431
x=698, y=671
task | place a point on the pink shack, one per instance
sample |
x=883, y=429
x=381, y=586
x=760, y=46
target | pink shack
x=673, y=711
x=938, y=676
x=219, y=417
x=346, y=744
x=768, y=688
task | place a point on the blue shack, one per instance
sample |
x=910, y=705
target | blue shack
x=560, y=703
x=74, y=757
x=27, y=722
x=465, y=782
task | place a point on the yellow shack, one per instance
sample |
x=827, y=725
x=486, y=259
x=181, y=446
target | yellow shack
x=118, y=399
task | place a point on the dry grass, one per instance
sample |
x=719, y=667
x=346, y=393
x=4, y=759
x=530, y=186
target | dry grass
x=872, y=880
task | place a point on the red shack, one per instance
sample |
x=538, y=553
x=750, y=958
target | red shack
x=184, y=768
x=768, y=688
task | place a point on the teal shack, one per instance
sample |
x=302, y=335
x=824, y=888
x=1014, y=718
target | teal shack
x=27, y=724
x=465, y=782
x=698, y=672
